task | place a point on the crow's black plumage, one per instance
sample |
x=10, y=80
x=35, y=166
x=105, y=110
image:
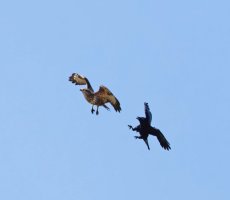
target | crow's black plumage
x=145, y=129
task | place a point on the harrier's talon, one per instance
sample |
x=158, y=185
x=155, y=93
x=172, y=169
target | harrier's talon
x=106, y=107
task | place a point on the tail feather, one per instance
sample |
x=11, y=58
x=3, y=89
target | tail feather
x=147, y=143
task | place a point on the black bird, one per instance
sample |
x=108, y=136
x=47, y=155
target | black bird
x=145, y=129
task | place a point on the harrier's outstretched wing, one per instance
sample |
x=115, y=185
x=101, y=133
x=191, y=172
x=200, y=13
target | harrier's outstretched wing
x=77, y=79
x=161, y=138
x=148, y=114
x=108, y=96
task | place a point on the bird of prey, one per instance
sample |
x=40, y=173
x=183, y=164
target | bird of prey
x=99, y=98
x=145, y=129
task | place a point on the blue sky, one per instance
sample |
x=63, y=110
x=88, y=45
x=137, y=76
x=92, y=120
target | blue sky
x=172, y=54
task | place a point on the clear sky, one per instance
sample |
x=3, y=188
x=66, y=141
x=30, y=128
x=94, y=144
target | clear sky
x=175, y=55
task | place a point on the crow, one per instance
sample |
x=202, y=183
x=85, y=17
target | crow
x=99, y=98
x=145, y=129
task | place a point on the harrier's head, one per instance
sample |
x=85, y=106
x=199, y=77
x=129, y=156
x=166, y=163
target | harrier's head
x=88, y=94
x=86, y=91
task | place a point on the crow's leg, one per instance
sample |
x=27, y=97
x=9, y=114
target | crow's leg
x=92, y=110
x=133, y=129
x=97, y=110
x=130, y=127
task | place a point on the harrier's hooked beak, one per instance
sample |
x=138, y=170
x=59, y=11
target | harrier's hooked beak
x=81, y=90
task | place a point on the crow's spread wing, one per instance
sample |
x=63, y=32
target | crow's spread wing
x=148, y=114
x=161, y=138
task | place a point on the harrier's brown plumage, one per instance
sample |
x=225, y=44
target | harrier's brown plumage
x=77, y=79
x=106, y=96
x=99, y=98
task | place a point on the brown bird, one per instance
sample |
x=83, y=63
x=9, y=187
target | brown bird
x=145, y=129
x=99, y=98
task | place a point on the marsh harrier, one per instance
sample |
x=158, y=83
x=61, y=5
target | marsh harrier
x=99, y=98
